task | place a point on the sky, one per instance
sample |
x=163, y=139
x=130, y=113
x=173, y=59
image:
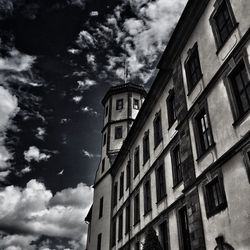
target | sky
x=57, y=60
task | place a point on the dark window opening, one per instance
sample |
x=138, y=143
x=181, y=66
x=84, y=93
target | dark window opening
x=119, y=104
x=104, y=139
x=115, y=194
x=163, y=228
x=103, y=165
x=114, y=232
x=185, y=236
x=147, y=197
x=171, y=108
x=136, y=209
x=118, y=132
x=160, y=183
x=120, y=227
x=177, y=169
x=121, y=185
x=146, y=152
x=99, y=242
x=136, y=162
x=101, y=208
x=127, y=224
x=157, y=130
x=128, y=173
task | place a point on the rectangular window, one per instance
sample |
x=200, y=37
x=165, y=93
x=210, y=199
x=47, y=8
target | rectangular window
x=106, y=111
x=101, y=208
x=128, y=170
x=176, y=165
x=119, y=104
x=103, y=165
x=157, y=129
x=215, y=198
x=99, y=242
x=104, y=139
x=240, y=85
x=120, y=227
x=136, y=162
x=204, y=139
x=171, y=108
x=184, y=231
x=115, y=194
x=121, y=185
x=193, y=68
x=160, y=183
x=147, y=197
x=146, y=153
x=163, y=231
x=135, y=103
x=136, y=209
x=223, y=22
x=118, y=132
x=114, y=232
x=127, y=225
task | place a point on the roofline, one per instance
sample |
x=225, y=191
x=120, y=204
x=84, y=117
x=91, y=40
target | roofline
x=124, y=88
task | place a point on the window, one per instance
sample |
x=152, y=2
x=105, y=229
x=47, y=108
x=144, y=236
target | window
x=104, y=139
x=135, y=103
x=160, y=183
x=163, y=230
x=137, y=245
x=114, y=232
x=121, y=184
x=127, y=225
x=99, y=242
x=171, y=108
x=128, y=173
x=184, y=231
x=106, y=110
x=101, y=208
x=147, y=197
x=136, y=162
x=103, y=165
x=146, y=153
x=176, y=165
x=223, y=22
x=120, y=227
x=119, y=104
x=214, y=195
x=115, y=194
x=118, y=132
x=136, y=209
x=246, y=154
x=157, y=129
x=193, y=68
x=240, y=88
x=202, y=129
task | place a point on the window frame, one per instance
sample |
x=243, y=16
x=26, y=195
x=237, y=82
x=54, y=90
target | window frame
x=246, y=159
x=136, y=208
x=193, y=54
x=115, y=194
x=161, y=191
x=147, y=196
x=128, y=174
x=136, y=106
x=119, y=104
x=103, y=164
x=127, y=219
x=171, y=108
x=121, y=184
x=136, y=161
x=118, y=132
x=120, y=226
x=104, y=139
x=99, y=241
x=199, y=134
x=157, y=124
x=175, y=166
x=164, y=234
x=113, y=241
x=211, y=211
x=183, y=240
x=217, y=6
x=146, y=147
x=101, y=201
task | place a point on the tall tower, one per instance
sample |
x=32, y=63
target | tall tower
x=121, y=106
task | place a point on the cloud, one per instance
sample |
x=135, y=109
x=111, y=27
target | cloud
x=89, y=110
x=86, y=84
x=77, y=99
x=86, y=40
x=79, y=3
x=16, y=61
x=26, y=170
x=33, y=211
x=89, y=155
x=91, y=61
x=34, y=154
x=41, y=132
x=74, y=51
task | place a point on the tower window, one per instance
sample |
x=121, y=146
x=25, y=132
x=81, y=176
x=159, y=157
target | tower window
x=157, y=129
x=203, y=132
x=214, y=195
x=171, y=108
x=136, y=162
x=135, y=103
x=147, y=197
x=240, y=86
x=146, y=153
x=120, y=227
x=223, y=22
x=160, y=183
x=193, y=68
x=103, y=165
x=118, y=132
x=136, y=209
x=121, y=185
x=176, y=165
x=119, y=104
x=101, y=208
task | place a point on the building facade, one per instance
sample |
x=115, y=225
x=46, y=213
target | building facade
x=180, y=159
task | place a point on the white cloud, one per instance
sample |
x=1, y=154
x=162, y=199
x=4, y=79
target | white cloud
x=17, y=61
x=89, y=110
x=94, y=13
x=86, y=40
x=89, y=155
x=74, y=51
x=79, y=3
x=86, y=84
x=33, y=153
x=26, y=170
x=34, y=211
x=91, y=61
x=41, y=132
x=77, y=99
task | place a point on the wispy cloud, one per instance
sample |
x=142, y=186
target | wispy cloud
x=89, y=155
x=89, y=110
x=86, y=84
x=86, y=40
